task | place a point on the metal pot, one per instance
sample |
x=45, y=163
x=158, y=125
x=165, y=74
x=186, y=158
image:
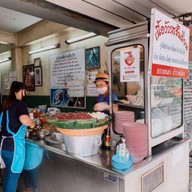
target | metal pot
x=83, y=145
x=42, y=133
x=28, y=133
x=56, y=136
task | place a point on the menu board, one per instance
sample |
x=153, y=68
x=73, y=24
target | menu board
x=67, y=77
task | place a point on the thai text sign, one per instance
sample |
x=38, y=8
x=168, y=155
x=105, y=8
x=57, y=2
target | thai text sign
x=169, y=47
x=67, y=79
x=130, y=65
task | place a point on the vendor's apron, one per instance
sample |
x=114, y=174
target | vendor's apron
x=33, y=156
x=19, y=145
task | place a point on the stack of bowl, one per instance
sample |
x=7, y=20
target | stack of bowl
x=122, y=117
x=136, y=140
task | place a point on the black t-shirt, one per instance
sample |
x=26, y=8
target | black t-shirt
x=17, y=109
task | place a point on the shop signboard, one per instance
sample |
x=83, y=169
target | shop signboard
x=169, y=47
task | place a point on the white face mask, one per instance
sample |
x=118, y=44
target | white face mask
x=102, y=90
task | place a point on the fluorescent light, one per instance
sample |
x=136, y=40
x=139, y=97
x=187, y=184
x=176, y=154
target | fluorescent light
x=4, y=43
x=80, y=38
x=44, y=49
x=6, y=59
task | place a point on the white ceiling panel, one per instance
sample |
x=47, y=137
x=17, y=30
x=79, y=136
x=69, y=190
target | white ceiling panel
x=93, y=11
x=13, y=21
x=137, y=6
x=115, y=13
x=177, y=7
x=118, y=9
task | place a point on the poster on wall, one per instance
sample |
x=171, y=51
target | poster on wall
x=38, y=76
x=169, y=47
x=6, y=81
x=91, y=87
x=67, y=77
x=12, y=77
x=130, y=65
x=29, y=77
x=9, y=78
x=92, y=58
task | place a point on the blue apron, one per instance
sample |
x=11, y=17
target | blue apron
x=19, y=145
x=33, y=157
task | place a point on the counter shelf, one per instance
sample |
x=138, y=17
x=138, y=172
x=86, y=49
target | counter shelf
x=128, y=105
x=102, y=160
x=62, y=171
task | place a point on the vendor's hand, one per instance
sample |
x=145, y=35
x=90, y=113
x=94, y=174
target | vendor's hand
x=33, y=124
x=131, y=98
x=101, y=106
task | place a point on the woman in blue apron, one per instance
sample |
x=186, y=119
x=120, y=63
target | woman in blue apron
x=14, y=120
x=102, y=85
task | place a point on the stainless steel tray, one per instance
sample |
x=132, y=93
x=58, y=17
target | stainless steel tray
x=54, y=143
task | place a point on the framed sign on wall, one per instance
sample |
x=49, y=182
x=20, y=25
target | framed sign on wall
x=92, y=58
x=38, y=76
x=67, y=79
x=37, y=62
x=29, y=77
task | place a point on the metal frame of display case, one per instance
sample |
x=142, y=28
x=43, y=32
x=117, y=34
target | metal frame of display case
x=139, y=34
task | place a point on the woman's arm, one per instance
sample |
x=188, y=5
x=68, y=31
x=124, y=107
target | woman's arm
x=26, y=120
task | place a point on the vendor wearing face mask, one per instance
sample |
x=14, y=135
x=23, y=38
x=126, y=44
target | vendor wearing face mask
x=103, y=99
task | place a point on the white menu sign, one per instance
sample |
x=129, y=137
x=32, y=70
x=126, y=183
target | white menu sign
x=67, y=77
x=66, y=67
x=76, y=88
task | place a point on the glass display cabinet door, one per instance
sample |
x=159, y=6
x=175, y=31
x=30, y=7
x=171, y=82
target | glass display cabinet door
x=166, y=105
x=128, y=78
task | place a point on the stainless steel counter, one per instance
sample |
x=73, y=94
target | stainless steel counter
x=102, y=160
x=57, y=171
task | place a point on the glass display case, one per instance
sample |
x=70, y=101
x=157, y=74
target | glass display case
x=156, y=101
x=166, y=105
x=129, y=90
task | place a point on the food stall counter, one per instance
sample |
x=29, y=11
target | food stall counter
x=57, y=170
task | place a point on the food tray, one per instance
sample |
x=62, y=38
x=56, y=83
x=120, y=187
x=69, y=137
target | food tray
x=82, y=132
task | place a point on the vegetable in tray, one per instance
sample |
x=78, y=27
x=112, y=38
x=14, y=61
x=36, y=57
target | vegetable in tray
x=79, y=120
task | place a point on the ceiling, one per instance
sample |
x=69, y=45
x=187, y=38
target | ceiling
x=12, y=21
x=91, y=15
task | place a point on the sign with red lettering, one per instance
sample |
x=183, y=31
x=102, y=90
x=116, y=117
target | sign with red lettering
x=169, y=47
x=129, y=65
